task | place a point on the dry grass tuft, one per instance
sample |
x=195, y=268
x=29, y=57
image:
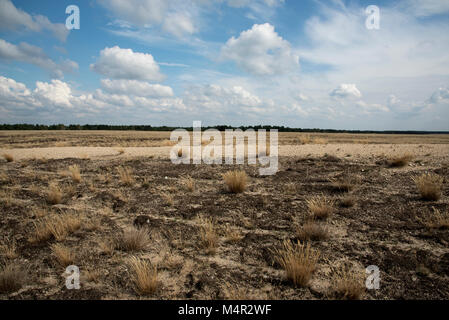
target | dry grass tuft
x=57, y=227
x=349, y=284
x=232, y=234
x=208, y=235
x=304, y=139
x=8, y=157
x=75, y=173
x=126, y=176
x=11, y=278
x=348, y=201
x=168, y=199
x=9, y=249
x=145, y=275
x=298, y=260
x=54, y=195
x=400, y=161
x=188, y=183
x=320, y=207
x=429, y=186
x=313, y=231
x=344, y=184
x=133, y=239
x=63, y=254
x=236, y=181
x=437, y=220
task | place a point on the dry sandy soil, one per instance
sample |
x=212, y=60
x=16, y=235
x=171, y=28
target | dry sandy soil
x=386, y=225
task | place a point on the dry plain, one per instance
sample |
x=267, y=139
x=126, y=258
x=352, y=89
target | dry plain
x=138, y=226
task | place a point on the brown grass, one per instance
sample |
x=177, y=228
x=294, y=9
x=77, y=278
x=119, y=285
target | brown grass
x=168, y=199
x=145, y=275
x=312, y=230
x=344, y=184
x=8, y=157
x=133, y=239
x=126, y=176
x=298, y=260
x=348, y=201
x=188, y=183
x=400, y=161
x=437, y=220
x=63, y=254
x=54, y=194
x=232, y=234
x=208, y=235
x=349, y=284
x=56, y=226
x=75, y=173
x=429, y=186
x=11, y=278
x=9, y=249
x=320, y=207
x=236, y=181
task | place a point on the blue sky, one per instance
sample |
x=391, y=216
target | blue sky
x=309, y=63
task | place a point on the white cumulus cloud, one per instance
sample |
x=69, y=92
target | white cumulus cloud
x=136, y=88
x=346, y=90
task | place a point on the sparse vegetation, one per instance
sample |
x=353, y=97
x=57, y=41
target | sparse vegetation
x=208, y=235
x=55, y=226
x=12, y=278
x=188, y=183
x=400, y=161
x=320, y=207
x=126, y=176
x=54, y=195
x=312, y=230
x=349, y=284
x=8, y=157
x=75, y=173
x=344, y=184
x=63, y=254
x=133, y=239
x=298, y=260
x=437, y=220
x=236, y=181
x=145, y=275
x=168, y=199
x=429, y=186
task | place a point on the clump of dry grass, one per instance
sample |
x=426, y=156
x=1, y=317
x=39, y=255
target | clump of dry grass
x=208, y=235
x=133, y=239
x=298, y=260
x=429, y=186
x=188, y=183
x=304, y=139
x=168, y=199
x=344, y=184
x=437, y=220
x=107, y=246
x=311, y=230
x=126, y=175
x=8, y=157
x=9, y=249
x=232, y=234
x=11, y=278
x=145, y=275
x=348, y=201
x=75, y=173
x=236, y=181
x=56, y=226
x=320, y=207
x=54, y=194
x=400, y=161
x=349, y=284
x=63, y=254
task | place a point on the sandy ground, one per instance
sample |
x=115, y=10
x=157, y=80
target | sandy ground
x=339, y=150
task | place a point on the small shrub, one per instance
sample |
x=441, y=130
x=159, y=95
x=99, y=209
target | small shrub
x=429, y=186
x=320, y=206
x=298, y=260
x=236, y=181
x=145, y=275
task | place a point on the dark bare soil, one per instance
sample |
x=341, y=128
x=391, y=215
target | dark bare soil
x=383, y=228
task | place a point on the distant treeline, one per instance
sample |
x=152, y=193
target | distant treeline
x=75, y=127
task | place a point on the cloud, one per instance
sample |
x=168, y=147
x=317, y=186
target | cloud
x=425, y=8
x=179, y=24
x=56, y=93
x=25, y=52
x=136, y=88
x=441, y=95
x=346, y=90
x=12, y=18
x=118, y=63
x=261, y=51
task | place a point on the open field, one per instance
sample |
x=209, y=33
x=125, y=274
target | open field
x=138, y=226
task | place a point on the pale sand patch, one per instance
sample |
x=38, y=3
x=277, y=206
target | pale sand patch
x=310, y=150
